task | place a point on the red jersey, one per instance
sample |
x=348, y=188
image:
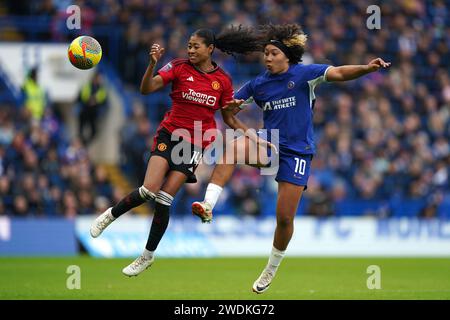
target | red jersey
x=196, y=96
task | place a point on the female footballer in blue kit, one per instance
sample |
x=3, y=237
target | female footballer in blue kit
x=285, y=92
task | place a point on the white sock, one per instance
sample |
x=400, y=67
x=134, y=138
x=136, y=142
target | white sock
x=147, y=254
x=110, y=215
x=275, y=259
x=212, y=194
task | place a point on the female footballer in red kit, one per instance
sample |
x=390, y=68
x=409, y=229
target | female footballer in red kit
x=199, y=88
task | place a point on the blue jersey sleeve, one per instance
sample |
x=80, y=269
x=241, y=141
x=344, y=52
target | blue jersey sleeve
x=317, y=72
x=245, y=92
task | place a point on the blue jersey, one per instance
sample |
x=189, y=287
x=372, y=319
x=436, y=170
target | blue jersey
x=287, y=100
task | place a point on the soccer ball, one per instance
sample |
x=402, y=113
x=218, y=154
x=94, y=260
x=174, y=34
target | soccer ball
x=84, y=52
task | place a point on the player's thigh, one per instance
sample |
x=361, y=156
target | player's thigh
x=157, y=169
x=244, y=150
x=175, y=180
x=256, y=153
x=289, y=196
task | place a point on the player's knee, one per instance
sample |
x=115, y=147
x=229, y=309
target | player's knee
x=285, y=221
x=164, y=198
x=146, y=194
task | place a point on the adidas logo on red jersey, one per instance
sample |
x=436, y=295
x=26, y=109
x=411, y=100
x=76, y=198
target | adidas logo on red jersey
x=191, y=78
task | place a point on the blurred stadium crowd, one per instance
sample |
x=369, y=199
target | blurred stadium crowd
x=383, y=140
x=44, y=173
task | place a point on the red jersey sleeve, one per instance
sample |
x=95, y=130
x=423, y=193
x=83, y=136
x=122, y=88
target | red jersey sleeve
x=227, y=94
x=168, y=72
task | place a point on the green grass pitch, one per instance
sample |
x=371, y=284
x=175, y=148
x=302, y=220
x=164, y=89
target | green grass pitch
x=225, y=278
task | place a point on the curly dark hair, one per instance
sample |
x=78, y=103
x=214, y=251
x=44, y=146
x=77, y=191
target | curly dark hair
x=242, y=40
x=290, y=35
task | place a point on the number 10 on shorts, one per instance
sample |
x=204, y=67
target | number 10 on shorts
x=300, y=166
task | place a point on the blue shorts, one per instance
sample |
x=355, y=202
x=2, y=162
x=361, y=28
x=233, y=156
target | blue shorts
x=294, y=168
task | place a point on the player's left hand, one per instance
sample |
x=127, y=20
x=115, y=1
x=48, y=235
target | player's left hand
x=378, y=63
x=233, y=104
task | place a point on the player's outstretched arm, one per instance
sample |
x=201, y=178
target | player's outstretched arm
x=231, y=120
x=149, y=83
x=350, y=72
x=233, y=105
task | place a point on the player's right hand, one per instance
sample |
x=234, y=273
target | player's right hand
x=273, y=147
x=156, y=52
x=233, y=104
x=267, y=144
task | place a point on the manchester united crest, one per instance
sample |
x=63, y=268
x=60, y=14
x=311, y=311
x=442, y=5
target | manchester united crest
x=162, y=146
x=215, y=85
